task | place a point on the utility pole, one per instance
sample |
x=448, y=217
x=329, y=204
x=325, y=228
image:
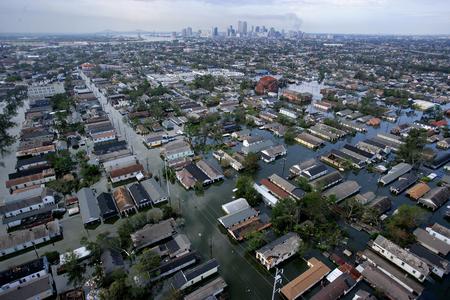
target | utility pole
x=277, y=280
x=284, y=164
x=167, y=181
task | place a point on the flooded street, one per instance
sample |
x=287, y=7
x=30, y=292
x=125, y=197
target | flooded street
x=200, y=211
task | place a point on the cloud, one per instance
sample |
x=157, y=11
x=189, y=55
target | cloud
x=338, y=16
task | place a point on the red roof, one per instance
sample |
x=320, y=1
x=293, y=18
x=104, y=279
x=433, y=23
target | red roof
x=440, y=123
x=267, y=84
x=279, y=192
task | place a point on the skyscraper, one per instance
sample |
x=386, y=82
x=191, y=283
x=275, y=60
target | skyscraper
x=244, y=28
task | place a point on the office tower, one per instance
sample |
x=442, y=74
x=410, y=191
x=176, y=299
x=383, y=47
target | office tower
x=189, y=31
x=244, y=28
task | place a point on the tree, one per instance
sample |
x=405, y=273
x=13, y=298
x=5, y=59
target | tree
x=61, y=162
x=251, y=163
x=75, y=270
x=154, y=215
x=411, y=150
x=244, y=185
x=290, y=135
x=255, y=241
x=303, y=183
x=285, y=215
x=400, y=225
x=146, y=263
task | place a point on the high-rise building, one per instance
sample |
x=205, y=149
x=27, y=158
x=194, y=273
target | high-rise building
x=239, y=29
x=189, y=31
x=215, y=32
x=244, y=28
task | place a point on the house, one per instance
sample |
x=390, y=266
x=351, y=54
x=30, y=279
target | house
x=403, y=182
x=444, y=144
x=439, y=266
x=107, y=206
x=16, y=276
x=343, y=190
x=326, y=181
x=297, y=97
x=36, y=288
x=233, y=161
x=381, y=204
x=154, y=141
x=238, y=217
x=352, y=126
x=272, y=153
x=34, y=180
x=440, y=232
x=296, y=169
x=377, y=270
x=435, y=198
x=139, y=195
x=235, y=206
x=418, y=191
x=292, y=190
x=278, y=250
x=430, y=242
x=375, y=122
x=440, y=160
x=309, y=140
x=213, y=174
x=339, y=287
x=111, y=260
x=255, y=144
x=297, y=287
x=174, y=265
x=210, y=290
x=326, y=132
x=25, y=239
x=402, y=258
x=152, y=234
x=382, y=281
x=176, y=246
x=124, y=173
x=90, y=212
x=396, y=171
x=119, y=162
x=323, y=105
x=269, y=196
x=186, y=179
x=124, y=202
x=184, y=279
x=177, y=149
x=26, y=202
x=314, y=172
x=288, y=113
x=155, y=191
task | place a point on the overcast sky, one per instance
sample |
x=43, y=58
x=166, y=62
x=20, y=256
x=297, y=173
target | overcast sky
x=327, y=16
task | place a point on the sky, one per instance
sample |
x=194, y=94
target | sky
x=315, y=16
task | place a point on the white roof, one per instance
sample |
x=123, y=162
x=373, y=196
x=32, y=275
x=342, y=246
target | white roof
x=234, y=206
x=334, y=274
x=81, y=253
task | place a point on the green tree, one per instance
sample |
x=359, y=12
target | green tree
x=75, y=270
x=255, y=241
x=285, y=215
x=245, y=189
x=399, y=227
x=411, y=150
x=146, y=263
x=251, y=163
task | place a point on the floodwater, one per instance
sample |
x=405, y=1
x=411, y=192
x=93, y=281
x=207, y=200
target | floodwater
x=245, y=277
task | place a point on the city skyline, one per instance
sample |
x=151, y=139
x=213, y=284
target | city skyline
x=324, y=16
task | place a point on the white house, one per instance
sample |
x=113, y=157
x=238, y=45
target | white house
x=279, y=250
x=402, y=258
